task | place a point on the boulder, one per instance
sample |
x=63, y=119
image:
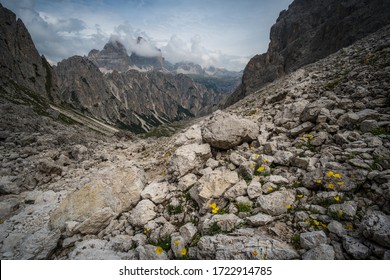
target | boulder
x=376, y=226
x=189, y=157
x=312, y=239
x=276, y=203
x=248, y=245
x=156, y=192
x=142, y=213
x=110, y=192
x=321, y=252
x=225, y=131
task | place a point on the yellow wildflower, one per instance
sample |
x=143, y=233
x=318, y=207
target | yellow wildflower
x=254, y=253
x=215, y=210
x=337, y=198
x=183, y=252
x=252, y=148
x=319, y=181
x=214, y=205
x=146, y=230
x=316, y=223
x=256, y=156
x=324, y=225
x=331, y=186
x=252, y=165
x=270, y=189
x=337, y=175
x=159, y=250
x=330, y=173
x=340, y=183
x=340, y=213
x=309, y=136
x=288, y=207
x=307, y=221
x=260, y=169
x=177, y=242
x=265, y=161
x=300, y=196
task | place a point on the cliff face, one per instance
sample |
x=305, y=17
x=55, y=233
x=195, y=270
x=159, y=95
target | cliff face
x=21, y=66
x=132, y=99
x=308, y=31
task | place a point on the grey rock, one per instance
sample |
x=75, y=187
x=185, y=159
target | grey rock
x=355, y=248
x=260, y=219
x=189, y=157
x=368, y=125
x=226, y=223
x=309, y=240
x=225, y=247
x=187, y=181
x=276, y=203
x=142, y=213
x=348, y=119
x=225, y=131
x=238, y=189
x=304, y=127
x=321, y=252
x=283, y=157
x=346, y=210
x=337, y=228
x=254, y=189
x=156, y=192
x=376, y=226
x=188, y=231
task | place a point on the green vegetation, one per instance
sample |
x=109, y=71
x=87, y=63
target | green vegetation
x=164, y=243
x=172, y=210
x=215, y=229
x=243, y=207
x=380, y=131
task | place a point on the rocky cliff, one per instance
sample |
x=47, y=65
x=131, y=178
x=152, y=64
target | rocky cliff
x=134, y=100
x=310, y=30
x=21, y=66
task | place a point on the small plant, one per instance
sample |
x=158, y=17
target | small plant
x=164, y=243
x=215, y=229
x=195, y=239
x=244, y=207
x=295, y=240
x=297, y=184
x=380, y=131
x=260, y=170
x=172, y=210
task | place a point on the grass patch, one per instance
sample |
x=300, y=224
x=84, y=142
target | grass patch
x=380, y=131
x=243, y=207
x=172, y=210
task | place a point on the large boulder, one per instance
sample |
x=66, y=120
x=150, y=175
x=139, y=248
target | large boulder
x=376, y=226
x=247, y=245
x=189, y=157
x=110, y=192
x=225, y=131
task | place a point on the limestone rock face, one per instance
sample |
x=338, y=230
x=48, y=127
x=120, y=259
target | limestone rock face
x=225, y=131
x=135, y=100
x=307, y=32
x=21, y=66
x=109, y=193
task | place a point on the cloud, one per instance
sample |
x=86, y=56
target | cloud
x=230, y=33
x=130, y=38
x=177, y=50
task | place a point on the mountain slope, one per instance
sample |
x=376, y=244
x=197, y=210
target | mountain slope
x=308, y=31
x=133, y=100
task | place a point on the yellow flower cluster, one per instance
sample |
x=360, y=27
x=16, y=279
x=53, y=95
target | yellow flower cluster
x=261, y=168
x=214, y=208
x=337, y=176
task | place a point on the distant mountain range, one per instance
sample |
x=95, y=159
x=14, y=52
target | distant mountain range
x=115, y=57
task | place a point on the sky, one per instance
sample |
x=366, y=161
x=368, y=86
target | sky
x=220, y=33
